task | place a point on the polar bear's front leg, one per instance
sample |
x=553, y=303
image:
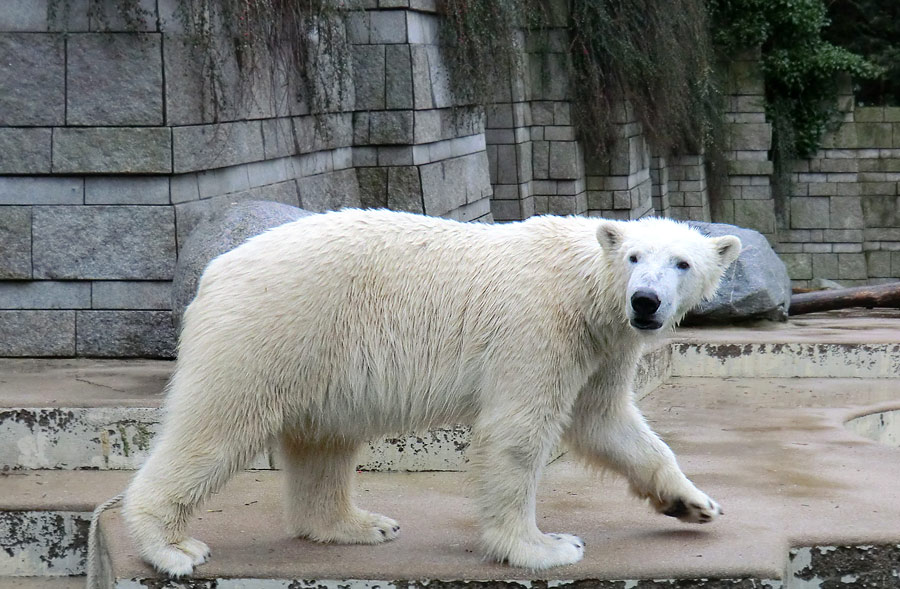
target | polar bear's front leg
x=318, y=502
x=506, y=462
x=609, y=431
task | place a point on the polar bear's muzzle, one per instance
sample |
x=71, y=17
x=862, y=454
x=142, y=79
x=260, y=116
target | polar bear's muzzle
x=644, y=304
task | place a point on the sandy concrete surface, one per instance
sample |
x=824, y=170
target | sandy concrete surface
x=774, y=452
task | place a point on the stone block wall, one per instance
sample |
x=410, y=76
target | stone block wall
x=112, y=149
x=843, y=222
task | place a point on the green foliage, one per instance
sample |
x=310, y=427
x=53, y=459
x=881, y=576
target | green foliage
x=870, y=28
x=801, y=69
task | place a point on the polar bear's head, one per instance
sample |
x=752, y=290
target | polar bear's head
x=662, y=268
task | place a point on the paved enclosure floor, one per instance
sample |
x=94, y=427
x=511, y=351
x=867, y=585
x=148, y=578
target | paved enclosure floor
x=773, y=451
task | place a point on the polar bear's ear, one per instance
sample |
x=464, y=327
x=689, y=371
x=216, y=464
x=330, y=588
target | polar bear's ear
x=610, y=236
x=728, y=247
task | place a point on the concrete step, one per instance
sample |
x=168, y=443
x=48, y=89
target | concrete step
x=42, y=582
x=103, y=414
x=100, y=414
x=806, y=501
x=774, y=452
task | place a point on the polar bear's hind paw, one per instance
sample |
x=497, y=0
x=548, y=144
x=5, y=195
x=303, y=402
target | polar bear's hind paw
x=548, y=550
x=197, y=550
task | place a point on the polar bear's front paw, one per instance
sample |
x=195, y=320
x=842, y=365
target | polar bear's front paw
x=695, y=509
x=545, y=551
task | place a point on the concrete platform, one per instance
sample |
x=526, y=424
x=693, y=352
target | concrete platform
x=774, y=452
x=808, y=503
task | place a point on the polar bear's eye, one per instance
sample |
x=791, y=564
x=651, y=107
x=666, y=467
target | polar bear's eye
x=682, y=265
x=633, y=258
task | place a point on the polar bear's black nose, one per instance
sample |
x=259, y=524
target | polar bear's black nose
x=644, y=302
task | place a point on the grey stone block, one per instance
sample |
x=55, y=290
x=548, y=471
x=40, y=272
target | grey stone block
x=755, y=214
x=125, y=17
x=443, y=189
x=24, y=150
x=270, y=172
x=391, y=127
x=15, y=242
x=125, y=334
x=398, y=77
x=395, y=155
x=112, y=150
x=358, y=27
x=404, y=189
x=878, y=264
x=223, y=181
x=41, y=191
x=104, y=242
x=427, y=126
x=37, y=333
x=139, y=190
x=184, y=188
x=421, y=78
x=205, y=147
x=387, y=26
x=852, y=266
x=564, y=164
x=129, y=294
x=31, y=16
x=540, y=159
x=756, y=286
x=439, y=73
x=846, y=212
x=222, y=230
x=330, y=191
x=373, y=184
x=825, y=265
x=368, y=76
x=879, y=210
x=32, y=79
x=42, y=294
x=278, y=138
x=114, y=79
x=809, y=213
x=799, y=266
x=190, y=215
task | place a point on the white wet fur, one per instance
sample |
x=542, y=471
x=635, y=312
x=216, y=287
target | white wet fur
x=338, y=328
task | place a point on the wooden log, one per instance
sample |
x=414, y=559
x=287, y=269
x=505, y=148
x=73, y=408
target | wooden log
x=882, y=295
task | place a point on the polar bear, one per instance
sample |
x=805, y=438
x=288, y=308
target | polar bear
x=337, y=328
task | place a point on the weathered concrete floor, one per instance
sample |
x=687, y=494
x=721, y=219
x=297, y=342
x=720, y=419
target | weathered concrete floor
x=774, y=452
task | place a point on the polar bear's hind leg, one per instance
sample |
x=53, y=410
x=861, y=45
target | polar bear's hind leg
x=189, y=463
x=318, y=502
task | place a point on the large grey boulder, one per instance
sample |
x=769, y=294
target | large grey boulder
x=756, y=286
x=226, y=229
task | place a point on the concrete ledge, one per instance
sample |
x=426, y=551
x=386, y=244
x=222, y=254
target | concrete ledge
x=773, y=451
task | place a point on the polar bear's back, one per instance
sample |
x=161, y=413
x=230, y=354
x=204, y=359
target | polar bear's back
x=353, y=307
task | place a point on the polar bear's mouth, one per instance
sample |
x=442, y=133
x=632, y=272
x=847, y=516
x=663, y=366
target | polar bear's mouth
x=645, y=323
